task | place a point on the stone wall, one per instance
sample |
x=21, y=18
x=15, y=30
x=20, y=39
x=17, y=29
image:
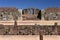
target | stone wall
x=52, y=14
x=28, y=30
x=9, y=13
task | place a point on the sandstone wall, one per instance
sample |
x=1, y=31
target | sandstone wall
x=28, y=30
x=52, y=14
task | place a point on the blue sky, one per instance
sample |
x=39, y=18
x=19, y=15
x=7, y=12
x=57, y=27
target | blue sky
x=41, y=4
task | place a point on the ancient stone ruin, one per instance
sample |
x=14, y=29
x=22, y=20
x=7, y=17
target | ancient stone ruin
x=31, y=14
x=52, y=14
x=29, y=30
x=7, y=13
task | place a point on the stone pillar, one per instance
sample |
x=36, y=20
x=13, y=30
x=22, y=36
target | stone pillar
x=55, y=29
x=42, y=13
x=28, y=11
x=34, y=11
x=24, y=11
x=21, y=15
x=41, y=35
x=15, y=29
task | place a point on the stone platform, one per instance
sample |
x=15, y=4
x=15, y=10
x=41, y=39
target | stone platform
x=31, y=22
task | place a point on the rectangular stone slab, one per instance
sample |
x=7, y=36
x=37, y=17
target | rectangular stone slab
x=51, y=37
x=19, y=37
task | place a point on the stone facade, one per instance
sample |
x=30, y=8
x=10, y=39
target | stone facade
x=52, y=14
x=12, y=13
x=9, y=13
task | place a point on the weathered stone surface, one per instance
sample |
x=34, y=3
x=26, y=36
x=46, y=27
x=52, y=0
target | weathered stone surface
x=2, y=30
x=30, y=14
x=52, y=14
x=9, y=13
x=28, y=30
